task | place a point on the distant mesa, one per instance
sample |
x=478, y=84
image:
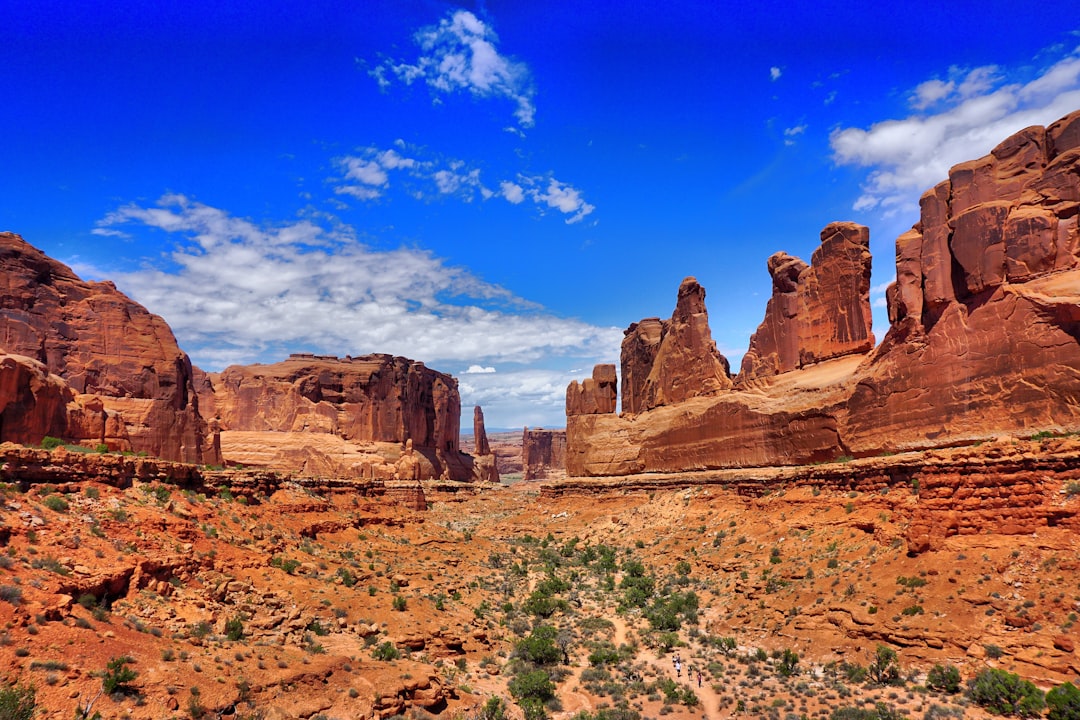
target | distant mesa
x=543, y=454
x=983, y=338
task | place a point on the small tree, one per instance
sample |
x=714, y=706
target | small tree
x=118, y=676
x=540, y=647
x=945, y=678
x=234, y=628
x=1063, y=702
x=789, y=663
x=883, y=669
x=1005, y=693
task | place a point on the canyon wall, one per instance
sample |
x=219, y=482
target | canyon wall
x=984, y=337
x=132, y=387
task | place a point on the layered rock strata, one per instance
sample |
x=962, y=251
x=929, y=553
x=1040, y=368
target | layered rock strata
x=132, y=386
x=984, y=337
x=351, y=416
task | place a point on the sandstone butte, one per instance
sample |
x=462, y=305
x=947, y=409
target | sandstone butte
x=543, y=454
x=371, y=417
x=983, y=338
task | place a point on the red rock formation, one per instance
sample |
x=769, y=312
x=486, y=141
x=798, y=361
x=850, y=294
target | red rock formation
x=687, y=363
x=367, y=399
x=485, y=467
x=543, y=453
x=817, y=312
x=105, y=346
x=594, y=395
x=984, y=337
x=33, y=403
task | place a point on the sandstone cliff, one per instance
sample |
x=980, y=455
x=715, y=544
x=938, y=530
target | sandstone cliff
x=133, y=386
x=350, y=416
x=543, y=454
x=818, y=311
x=983, y=340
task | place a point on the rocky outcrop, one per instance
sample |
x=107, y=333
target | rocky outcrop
x=594, y=395
x=984, y=337
x=380, y=402
x=485, y=467
x=33, y=403
x=543, y=453
x=817, y=312
x=686, y=364
x=135, y=384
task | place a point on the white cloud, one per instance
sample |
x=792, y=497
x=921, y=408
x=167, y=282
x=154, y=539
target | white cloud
x=367, y=176
x=460, y=54
x=511, y=191
x=970, y=113
x=775, y=73
x=237, y=291
x=792, y=132
x=546, y=191
x=479, y=370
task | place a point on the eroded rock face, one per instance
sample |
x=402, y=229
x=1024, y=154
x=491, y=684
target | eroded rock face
x=370, y=399
x=984, y=337
x=106, y=347
x=593, y=395
x=817, y=312
x=543, y=453
x=33, y=403
x=675, y=360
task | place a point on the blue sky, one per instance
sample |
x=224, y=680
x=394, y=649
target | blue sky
x=496, y=189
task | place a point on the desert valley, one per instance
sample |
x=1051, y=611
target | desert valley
x=840, y=528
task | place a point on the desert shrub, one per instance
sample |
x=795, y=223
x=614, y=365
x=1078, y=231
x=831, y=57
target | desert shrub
x=386, y=651
x=118, y=675
x=17, y=702
x=532, y=685
x=539, y=647
x=10, y=594
x=789, y=663
x=51, y=443
x=399, y=603
x=881, y=711
x=1063, y=702
x=1006, y=693
x=944, y=677
x=55, y=503
x=234, y=628
x=494, y=709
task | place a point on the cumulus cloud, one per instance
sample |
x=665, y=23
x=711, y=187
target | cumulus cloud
x=237, y=291
x=548, y=192
x=460, y=53
x=958, y=118
x=530, y=396
x=479, y=370
x=775, y=73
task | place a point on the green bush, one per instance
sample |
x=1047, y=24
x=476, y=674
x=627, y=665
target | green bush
x=1063, y=702
x=400, y=603
x=387, y=651
x=881, y=711
x=50, y=443
x=1005, y=693
x=884, y=670
x=234, y=628
x=945, y=678
x=533, y=685
x=539, y=647
x=118, y=676
x=10, y=594
x=55, y=503
x=17, y=702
